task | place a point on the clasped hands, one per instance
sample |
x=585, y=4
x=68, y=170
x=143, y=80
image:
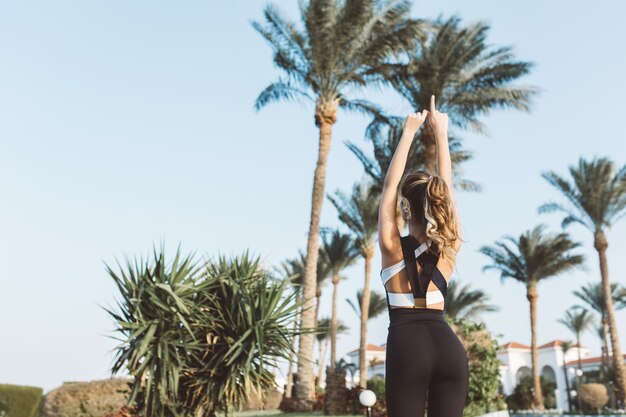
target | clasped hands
x=438, y=121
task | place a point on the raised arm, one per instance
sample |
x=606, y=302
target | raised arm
x=439, y=123
x=388, y=233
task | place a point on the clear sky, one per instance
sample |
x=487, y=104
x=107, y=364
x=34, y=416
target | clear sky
x=124, y=124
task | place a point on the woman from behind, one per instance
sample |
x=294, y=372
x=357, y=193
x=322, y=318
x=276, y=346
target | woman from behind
x=426, y=363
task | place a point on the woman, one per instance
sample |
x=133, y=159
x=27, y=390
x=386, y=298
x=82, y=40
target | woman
x=426, y=362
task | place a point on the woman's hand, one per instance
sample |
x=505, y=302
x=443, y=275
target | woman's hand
x=414, y=121
x=438, y=121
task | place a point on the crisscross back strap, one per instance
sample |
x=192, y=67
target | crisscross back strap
x=428, y=262
x=418, y=285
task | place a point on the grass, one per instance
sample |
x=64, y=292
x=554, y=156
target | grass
x=269, y=413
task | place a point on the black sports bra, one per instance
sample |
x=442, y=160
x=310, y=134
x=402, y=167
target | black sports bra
x=413, y=252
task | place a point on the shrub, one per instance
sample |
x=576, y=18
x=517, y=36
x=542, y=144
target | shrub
x=86, y=399
x=377, y=385
x=19, y=401
x=200, y=338
x=594, y=394
x=483, y=362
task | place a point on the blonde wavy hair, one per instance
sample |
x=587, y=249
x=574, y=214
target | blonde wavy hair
x=425, y=203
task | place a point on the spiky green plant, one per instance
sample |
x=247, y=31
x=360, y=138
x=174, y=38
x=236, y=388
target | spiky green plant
x=156, y=304
x=246, y=322
x=200, y=338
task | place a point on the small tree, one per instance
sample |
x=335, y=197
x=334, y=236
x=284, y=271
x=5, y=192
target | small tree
x=484, y=366
x=200, y=338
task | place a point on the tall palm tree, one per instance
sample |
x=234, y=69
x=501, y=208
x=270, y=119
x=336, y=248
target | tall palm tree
x=323, y=336
x=293, y=270
x=463, y=302
x=340, y=252
x=566, y=346
x=323, y=273
x=603, y=333
x=534, y=257
x=592, y=295
x=378, y=304
x=384, y=132
x=341, y=45
x=359, y=212
x=596, y=199
x=577, y=320
x=468, y=76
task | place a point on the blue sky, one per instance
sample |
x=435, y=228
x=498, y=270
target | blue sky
x=126, y=124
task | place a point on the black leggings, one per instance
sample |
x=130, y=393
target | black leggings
x=425, y=361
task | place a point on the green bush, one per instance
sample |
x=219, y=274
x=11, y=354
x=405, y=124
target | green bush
x=377, y=384
x=19, y=401
x=200, y=337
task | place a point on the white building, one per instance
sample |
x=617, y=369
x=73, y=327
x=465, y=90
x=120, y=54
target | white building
x=375, y=359
x=515, y=362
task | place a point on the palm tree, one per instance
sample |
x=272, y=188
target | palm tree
x=463, y=302
x=596, y=200
x=323, y=336
x=293, y=270
x=340, y=47
x=378, y=304
x=340, y=252
x=384, y=132
x=323, y=272
x=468, y=76
x=577, y=320
x=359, y=213
x=593, y=296
x=566, y=346
x=535, y=256
x=603, y=333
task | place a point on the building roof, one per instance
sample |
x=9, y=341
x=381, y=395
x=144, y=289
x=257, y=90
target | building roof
x=595, y=359
x=370, y=347
x=515, y=345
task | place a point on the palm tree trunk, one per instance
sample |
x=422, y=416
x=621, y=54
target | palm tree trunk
x=325, y=116
x=605, y=344
x=318, y=296
x=532, y=298
x=290, y=371
x=569, y=396
x=600, y=243
x=318, y=379
x=322, y=361
x=333, y=325
x=605, y=336
x=430, y=149
x=579, y=378
x=365, y=306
